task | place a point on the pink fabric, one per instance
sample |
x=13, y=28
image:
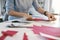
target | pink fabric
x=51, y=31
x=36, y=29
x=47, y=30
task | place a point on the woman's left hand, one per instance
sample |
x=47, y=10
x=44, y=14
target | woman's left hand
x=50, y=16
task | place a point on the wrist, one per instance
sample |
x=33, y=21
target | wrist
x=45, y=13
x=25, y=15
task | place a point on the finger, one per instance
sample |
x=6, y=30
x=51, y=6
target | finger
x=50, y=18
x=53, y=18
x=29, y=19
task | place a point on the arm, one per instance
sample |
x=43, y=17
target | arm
x=10, y=10
x=18, y=14
x=46, y=13
x=38, y=7
x=42, y=11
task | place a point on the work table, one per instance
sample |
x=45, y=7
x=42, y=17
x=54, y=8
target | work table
x=31, y=35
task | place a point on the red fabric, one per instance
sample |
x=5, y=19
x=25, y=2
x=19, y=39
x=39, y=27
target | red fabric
x=25, y=37
x=3, y=37
x=7, y=33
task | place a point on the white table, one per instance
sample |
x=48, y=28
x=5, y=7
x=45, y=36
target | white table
x=38, y=23
x=31, y=35
x=20, y=34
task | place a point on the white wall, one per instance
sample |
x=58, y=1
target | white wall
x=56, y=6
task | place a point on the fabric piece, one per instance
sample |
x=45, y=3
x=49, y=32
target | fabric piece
x=50, y=30
x=7, y=33
x=36, y=29
x=47, y=30
x=25, y=37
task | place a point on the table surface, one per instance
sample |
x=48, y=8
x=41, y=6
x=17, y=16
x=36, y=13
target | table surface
x=19, y=35
x=31, y=23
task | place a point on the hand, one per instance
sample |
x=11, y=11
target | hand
x=28, y=17
x=50, y=16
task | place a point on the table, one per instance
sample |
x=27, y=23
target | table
x=28, y=31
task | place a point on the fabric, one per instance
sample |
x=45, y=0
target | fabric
x=25, y=37
x=47, y=30
x=50, y=31
x=36, y=29
x=7, y=33
x=20, y=5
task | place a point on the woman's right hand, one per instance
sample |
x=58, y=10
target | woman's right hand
x=28, y=17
